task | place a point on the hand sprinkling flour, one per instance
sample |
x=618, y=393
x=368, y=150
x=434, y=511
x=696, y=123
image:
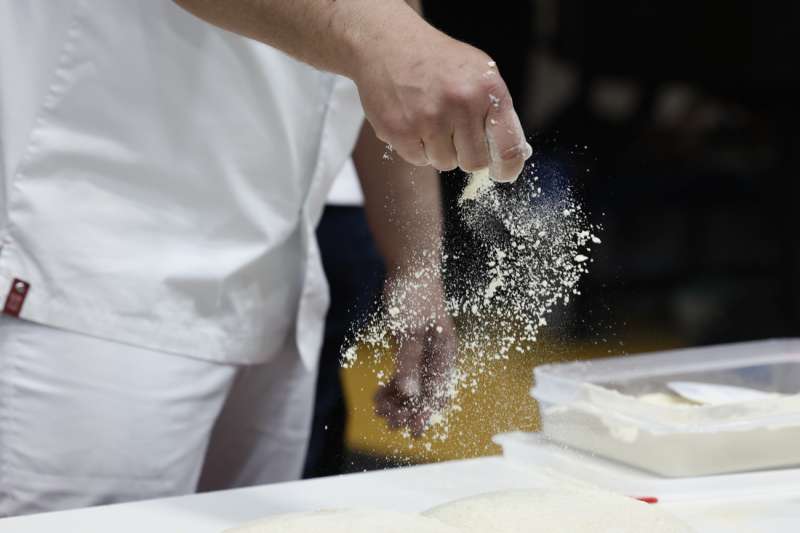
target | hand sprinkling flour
x=537, y=242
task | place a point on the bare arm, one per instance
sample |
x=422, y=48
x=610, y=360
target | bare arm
x=436, y=100
x=402, y=202
x=327, y=34
x=403, y=208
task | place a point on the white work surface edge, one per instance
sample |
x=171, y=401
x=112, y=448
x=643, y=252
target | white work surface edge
x=404, y=489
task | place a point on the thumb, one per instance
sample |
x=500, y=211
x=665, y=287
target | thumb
x=508, y=149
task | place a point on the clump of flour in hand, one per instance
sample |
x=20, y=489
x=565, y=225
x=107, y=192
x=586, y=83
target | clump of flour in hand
x=478, y=183
x=537, y=244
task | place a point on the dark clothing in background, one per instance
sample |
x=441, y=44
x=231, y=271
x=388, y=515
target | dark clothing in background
x=355, y=272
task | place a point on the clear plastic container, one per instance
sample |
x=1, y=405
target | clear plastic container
x=551, y=459
x=605, y=407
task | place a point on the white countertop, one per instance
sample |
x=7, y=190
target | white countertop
x=405, y=489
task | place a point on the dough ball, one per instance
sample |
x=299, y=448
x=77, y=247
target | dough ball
x=548, y=510
x=347, y=521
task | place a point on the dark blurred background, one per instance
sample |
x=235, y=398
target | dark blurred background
x=675, y=122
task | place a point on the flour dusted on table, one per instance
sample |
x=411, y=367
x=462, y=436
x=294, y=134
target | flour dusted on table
x=566, y=509
x=347, y=521
x=562, y=509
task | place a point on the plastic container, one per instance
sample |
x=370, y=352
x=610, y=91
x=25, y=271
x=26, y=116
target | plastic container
x=600, y=407
x=548, y=458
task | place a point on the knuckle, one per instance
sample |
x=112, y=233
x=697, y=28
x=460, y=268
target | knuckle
x=395, y=126
x=488, y=85
x=427, y=119
x=381, y=128
x=494, y=84
x=513, y=153
x=402, y=131
x=461, y=95
x=496, y=93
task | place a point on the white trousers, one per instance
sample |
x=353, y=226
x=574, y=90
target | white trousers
x=86, y=421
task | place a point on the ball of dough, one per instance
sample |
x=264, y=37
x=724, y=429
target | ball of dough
x=546, y=510
x=347, y=521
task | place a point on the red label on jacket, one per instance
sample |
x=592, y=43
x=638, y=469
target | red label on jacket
x=16, y=297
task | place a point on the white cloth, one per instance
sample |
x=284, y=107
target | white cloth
x=85, y=421
x=346, y=190
x=162, y=178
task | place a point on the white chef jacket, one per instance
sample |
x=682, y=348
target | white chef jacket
x=161, y=178
x=346, y=189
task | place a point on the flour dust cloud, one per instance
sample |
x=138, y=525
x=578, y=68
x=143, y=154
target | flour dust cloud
x=537, y=242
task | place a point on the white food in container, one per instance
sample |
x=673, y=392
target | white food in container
x=623, y=409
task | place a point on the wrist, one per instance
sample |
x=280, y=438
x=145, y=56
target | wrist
x=375, y=33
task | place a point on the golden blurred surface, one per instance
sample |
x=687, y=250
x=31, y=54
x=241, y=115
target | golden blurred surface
x=502, y=402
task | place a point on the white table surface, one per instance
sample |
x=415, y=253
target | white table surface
x=405, y=489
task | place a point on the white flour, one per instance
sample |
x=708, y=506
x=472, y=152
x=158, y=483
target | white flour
x=671, y=436
x=346, y=521
x=478, y=183
x=537, y=245
x=665, y=399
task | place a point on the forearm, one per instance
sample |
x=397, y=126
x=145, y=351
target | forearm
x=402, y=203
x=332, y=35
x=437, y=101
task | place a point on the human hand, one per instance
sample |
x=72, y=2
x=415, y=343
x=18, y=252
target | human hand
x=427, y=347
x=440, y=102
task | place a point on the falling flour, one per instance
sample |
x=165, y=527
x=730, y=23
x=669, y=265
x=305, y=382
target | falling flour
x=478, y=183
x=537, y=244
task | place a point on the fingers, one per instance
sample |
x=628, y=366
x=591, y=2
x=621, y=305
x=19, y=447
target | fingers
x=393, y=406
x=398, y=401
x=420, y=387
x=408, y=372
x=440, y=150
x=412, y=150
x=508, y=149
x=471, y=128
x=441, y=357
x=418, y=419
x=490, y=135
x=470, y=144
x=437, y=377
x=401, y=411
